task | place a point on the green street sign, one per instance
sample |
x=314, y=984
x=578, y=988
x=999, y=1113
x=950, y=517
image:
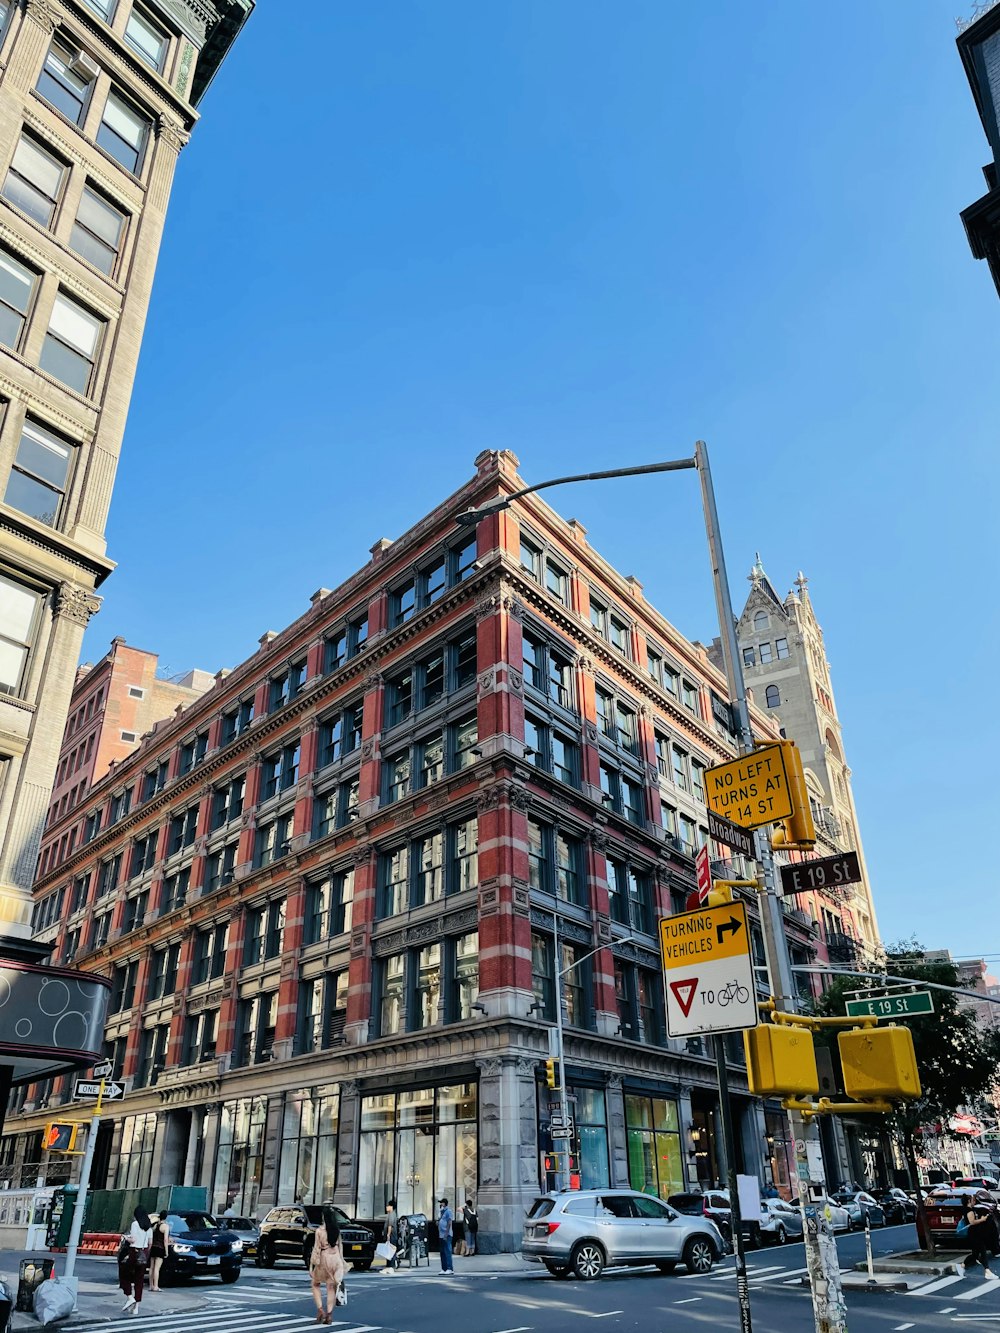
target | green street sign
x=892, y=1006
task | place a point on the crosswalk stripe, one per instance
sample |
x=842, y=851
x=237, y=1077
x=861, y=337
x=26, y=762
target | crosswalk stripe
x=976, y=1292
x=751, y=1273
x=931, y=1287
x=196, y=1323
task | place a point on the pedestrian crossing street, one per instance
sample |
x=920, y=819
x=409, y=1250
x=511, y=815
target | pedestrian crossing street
x=964, y=1287
x=222, y=1318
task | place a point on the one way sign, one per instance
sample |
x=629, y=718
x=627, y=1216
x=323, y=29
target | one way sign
x=113, y=1092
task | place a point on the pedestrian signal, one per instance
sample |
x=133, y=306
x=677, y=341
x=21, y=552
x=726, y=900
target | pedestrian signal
x=59, y=1136
x=550, y=1073
x=879, y=1062
x=550, y=1162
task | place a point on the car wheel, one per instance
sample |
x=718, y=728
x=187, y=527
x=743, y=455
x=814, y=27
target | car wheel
x=666, y=1265
x=699, y=1256
x=756, y=1239
x=230, y=1275
x=361, y=1265
x=780, y=1235
x=587, y=1260
x=557, y=1270
x=265, y=1254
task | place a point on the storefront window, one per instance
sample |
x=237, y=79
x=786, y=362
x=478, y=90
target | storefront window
x=589, y=1146
x=134, y=1167
x=415, y=1147
x=309, y=1146
x=780, y=1153
x=239, y=1167
x=654, y=1145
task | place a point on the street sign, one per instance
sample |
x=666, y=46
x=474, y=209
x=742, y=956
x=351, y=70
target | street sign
x=707, y=971
x=89, y=1088
x=561, y=1133
x=703, y=875
x=821, y=874
x=892, y=1006
x=752, y=790
x=557, y=1122
x=104, y=1070
x=722, y=830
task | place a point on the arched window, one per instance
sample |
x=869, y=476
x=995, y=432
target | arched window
x=761, y=620
x=772, y=696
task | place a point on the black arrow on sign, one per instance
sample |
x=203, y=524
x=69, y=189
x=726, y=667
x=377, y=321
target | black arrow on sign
x=729, y=927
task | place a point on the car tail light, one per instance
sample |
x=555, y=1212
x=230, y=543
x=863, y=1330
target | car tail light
x=552, y=1226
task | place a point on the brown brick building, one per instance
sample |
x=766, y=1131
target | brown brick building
x=326, y=891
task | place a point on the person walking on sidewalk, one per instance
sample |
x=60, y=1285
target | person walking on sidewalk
x=158, y=1251
x=132, y=1264
x=326, y=1265
x=445, y=1231
x=981, y=1236
x=391, y=1235
x=471, y=1226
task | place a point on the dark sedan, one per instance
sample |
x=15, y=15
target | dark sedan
x=898, y=1207
x=860, y=1207
x=200, y=1247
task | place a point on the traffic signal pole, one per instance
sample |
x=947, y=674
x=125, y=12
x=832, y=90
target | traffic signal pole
x=73, y=1244
x=823, y=1262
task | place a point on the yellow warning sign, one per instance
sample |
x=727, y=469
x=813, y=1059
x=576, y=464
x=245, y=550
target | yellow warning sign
x=752, y=790
x=704, y=935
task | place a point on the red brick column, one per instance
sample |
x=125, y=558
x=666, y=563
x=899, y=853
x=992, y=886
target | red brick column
x=603, y=964
x=504, y=920
x=288, y=987
x=651, y=773
x=248, y=820
x=359, y=990
x=309, y=749
x=590, y=763
x=175, y=1044
x=226, y=1041
x=372, y=722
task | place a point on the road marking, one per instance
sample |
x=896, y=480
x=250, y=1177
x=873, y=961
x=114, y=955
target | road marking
x=773, y=1269
x=523, y=1328
x=605, y=1315
x=194, y=1322
x=688, y=1300
x=900, y=1327
x=949, y=1309
x=930, y=1287
x=976, y=1292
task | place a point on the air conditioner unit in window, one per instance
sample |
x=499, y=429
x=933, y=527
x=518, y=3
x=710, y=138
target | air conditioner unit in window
x=86, y=68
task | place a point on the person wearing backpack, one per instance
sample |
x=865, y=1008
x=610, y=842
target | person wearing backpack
x=979, y=1232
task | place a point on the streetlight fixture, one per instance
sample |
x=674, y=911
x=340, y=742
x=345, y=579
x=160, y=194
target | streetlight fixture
x=829, y=1309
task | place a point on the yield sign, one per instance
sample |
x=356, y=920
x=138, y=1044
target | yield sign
x=684, y=993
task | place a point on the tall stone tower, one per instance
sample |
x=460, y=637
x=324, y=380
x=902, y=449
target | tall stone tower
x=784, y=662
x=97, y=98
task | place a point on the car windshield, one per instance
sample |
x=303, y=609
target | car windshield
x=238, y=1223
x=540, y=1208
x=314, y=1214
x=689, y=1204
x=191, y=1222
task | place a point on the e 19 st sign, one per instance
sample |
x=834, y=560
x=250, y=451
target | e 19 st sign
x=753, y=790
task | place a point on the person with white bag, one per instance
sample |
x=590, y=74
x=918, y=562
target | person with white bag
x=389, y=1247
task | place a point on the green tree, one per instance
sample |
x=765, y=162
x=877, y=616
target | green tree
x=958, y=1057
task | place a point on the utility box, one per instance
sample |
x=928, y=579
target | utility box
x=879, y=1062
x=781, y=1061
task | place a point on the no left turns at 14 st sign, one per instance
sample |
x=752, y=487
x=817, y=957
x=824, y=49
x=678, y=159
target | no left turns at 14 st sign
x=708, y=971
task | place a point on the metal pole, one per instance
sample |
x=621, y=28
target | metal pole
x=81, y=1196
x=829, y=1309
x=561, y=1157
x=729, y=1172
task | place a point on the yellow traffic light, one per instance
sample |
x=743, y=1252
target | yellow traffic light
x=879, y=1062
x=798, y=829
x=781, y=1060
x=59, y=1136
x=550, y=1073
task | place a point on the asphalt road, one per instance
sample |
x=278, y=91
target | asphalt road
x=278, y=1301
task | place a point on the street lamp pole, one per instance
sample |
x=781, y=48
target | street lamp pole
x=829, y=1309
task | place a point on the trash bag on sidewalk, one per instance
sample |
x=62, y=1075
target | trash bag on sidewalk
x=53, y=1301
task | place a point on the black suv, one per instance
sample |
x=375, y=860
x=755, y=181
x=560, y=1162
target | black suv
x=287, y=1233
x=200, y=1247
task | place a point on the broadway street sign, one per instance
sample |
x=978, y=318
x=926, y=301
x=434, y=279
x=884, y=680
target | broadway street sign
x=739, y=839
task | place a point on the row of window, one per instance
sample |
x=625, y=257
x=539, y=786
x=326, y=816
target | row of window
x=763, y=653
x=446, y=750
x=429, y=584
x=449, y=667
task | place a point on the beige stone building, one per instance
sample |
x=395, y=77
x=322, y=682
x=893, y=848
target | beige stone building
x=97, y=98
x=785, y=664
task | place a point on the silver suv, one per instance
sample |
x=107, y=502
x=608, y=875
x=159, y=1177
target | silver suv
x=583, y=1231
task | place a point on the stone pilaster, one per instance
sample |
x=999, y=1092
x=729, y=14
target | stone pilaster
x=508, y=1149
x=348, y=1146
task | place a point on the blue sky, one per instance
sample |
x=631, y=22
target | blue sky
x=593, y=233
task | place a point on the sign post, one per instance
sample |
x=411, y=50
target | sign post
x=73, y=1244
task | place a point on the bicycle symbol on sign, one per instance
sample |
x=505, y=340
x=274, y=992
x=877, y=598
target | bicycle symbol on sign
x=734, y=991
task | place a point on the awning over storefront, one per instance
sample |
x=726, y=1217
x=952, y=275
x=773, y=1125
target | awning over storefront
x=51, y=1019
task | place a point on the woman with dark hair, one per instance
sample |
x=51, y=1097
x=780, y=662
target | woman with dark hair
x=326, y=1265
x=134, y=1256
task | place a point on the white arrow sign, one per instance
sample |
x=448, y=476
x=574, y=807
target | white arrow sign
x=104, y=1070
x=89, y=1088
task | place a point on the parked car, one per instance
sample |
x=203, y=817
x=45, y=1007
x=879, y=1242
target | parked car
x=897, y=1206
x=779, y=1221
x=247, y=1230
x=944, y=1208
x=837, y=1215
x=859, y=1205
x=200, y=1247
x=713, y=1204
x=287, y=1232
x=583, y=1231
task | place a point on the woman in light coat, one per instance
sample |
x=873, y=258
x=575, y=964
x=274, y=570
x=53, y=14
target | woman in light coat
x=326, y=1266
x=132, y=1265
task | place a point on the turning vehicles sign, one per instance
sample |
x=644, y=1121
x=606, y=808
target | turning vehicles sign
x=708, y=971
